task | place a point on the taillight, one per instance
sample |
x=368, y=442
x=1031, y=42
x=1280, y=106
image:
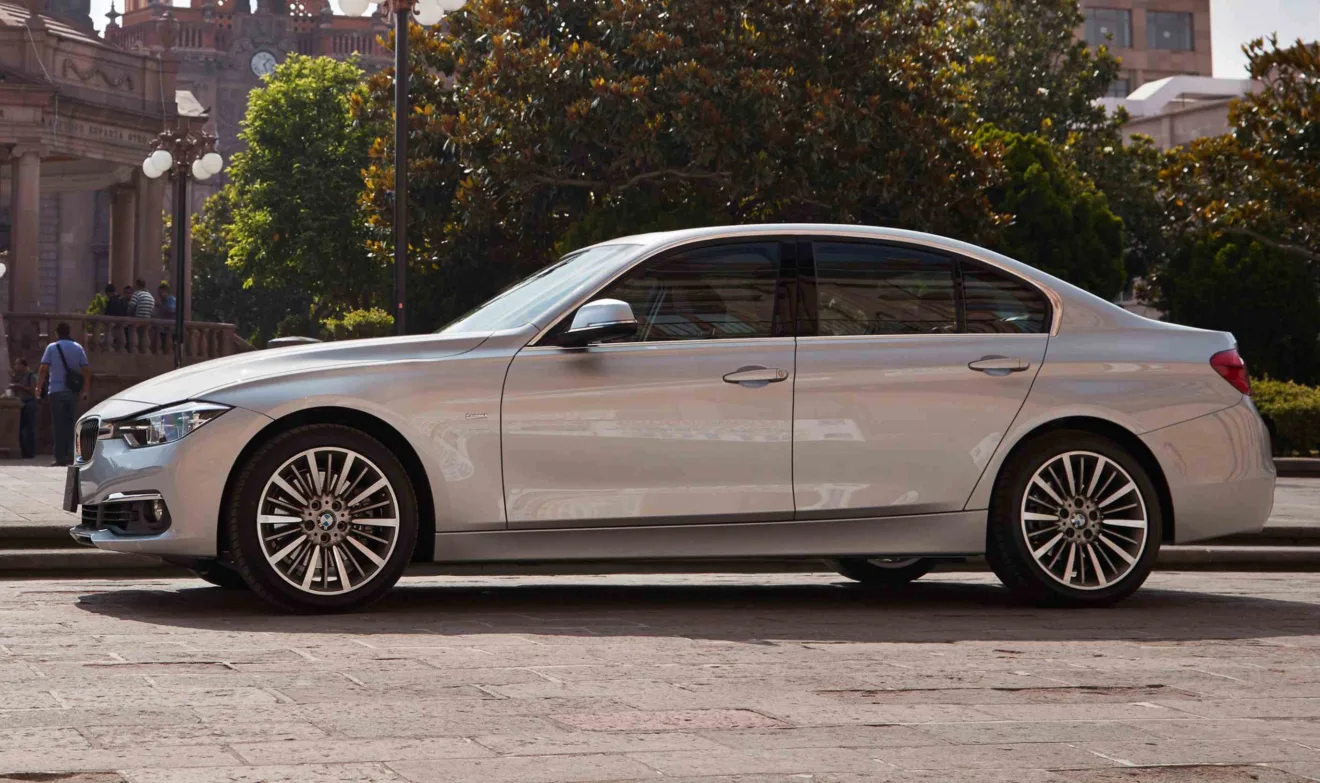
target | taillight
x=1229, y=364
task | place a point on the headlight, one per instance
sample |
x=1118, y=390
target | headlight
x=163, y=426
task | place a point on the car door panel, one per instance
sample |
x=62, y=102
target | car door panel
x=689, y=422
x=901, y=425
x=648, y=434
x=903, y=392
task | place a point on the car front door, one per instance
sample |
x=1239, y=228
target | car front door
x=687, y=422
x=911, y=365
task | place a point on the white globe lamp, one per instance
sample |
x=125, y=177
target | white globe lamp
x=150, y=169
x=199, y=171
x=428, y=12
x=162, y=160
x=353, y=7
x=213, y=162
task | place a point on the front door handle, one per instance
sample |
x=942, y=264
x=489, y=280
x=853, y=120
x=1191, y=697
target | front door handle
x=755, y=375
x=998, y=365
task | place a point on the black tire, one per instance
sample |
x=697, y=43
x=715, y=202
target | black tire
x=220, y=575
x=894, y=574
x=245, y=499
x=1011, y=558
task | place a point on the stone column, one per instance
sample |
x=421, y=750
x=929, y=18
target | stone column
x=25, y=232
x=151, y=205
x=123, y=234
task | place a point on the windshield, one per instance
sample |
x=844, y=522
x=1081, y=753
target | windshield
x=528, y=301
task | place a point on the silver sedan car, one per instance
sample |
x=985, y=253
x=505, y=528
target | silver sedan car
x=880, y=399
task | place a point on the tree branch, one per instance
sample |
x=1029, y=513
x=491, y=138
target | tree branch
x=637, y=179
x=1283, y=247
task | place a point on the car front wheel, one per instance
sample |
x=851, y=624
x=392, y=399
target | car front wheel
x=1075, y=521
x=322, y=518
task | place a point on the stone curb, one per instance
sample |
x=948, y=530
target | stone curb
x=90, y=563
x=1297, y=467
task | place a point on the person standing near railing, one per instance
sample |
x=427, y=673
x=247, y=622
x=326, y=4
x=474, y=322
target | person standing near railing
x=63, y=379
x=142, y=305
x=23, y=384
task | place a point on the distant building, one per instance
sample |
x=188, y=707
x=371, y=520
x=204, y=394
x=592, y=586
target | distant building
x=1155, y=39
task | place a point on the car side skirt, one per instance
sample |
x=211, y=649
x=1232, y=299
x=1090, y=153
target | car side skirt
x=955, y=534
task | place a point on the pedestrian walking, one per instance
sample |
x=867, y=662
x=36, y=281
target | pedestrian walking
x=23, y=384
x=114, y=303
x=63, y=379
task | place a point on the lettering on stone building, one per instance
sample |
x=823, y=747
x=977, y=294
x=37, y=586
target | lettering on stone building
x=98, y=132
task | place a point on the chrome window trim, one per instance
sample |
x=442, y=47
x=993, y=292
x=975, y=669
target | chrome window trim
x=735, y=232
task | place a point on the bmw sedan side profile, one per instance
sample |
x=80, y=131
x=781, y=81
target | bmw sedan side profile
x=881, y=399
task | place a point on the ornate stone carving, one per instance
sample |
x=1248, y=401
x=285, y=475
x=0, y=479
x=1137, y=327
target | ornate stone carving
x=121, y=82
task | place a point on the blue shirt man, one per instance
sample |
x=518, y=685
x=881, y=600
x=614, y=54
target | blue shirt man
x=74, y=355
x=61, y=359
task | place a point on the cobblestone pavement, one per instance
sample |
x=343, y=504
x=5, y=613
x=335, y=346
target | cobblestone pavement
x=1200, y=677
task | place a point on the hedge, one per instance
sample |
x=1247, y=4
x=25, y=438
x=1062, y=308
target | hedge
x=1292, y=412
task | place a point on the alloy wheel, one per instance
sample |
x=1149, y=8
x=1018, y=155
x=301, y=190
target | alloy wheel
x=1084, y=520
x=328, y=520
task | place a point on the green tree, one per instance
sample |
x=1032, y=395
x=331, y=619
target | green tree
x=1031, y=74
x=219, y=293
x=569, y=121
x=1061, y=223
x=293, y=215
x=1247, y=205
x=1266, y=297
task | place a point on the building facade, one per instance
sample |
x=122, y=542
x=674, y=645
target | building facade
x=78, y=112
x=1155, y=39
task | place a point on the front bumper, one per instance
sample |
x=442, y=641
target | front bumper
x=1220, y=473
x=190, y=475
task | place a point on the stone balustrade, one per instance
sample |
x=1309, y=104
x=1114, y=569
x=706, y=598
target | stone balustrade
x=130, y=348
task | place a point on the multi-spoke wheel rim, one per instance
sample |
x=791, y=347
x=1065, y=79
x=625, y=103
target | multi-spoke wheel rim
x=328, y=521
x=1084, y=520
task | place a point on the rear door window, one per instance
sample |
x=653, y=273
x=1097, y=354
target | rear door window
x=867, y=288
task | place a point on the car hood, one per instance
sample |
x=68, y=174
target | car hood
x=199, y=380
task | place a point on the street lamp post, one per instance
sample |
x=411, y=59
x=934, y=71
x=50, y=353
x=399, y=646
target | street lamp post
x=185, y=152
x=425, y=13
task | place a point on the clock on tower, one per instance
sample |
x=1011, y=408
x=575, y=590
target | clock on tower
x=263, y=62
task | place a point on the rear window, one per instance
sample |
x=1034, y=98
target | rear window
x=998, y=303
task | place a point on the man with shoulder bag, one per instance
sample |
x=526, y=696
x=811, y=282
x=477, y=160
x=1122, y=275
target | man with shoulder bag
x=63, y=379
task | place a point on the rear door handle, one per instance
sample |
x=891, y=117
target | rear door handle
x=998, y=365
x=755, y=375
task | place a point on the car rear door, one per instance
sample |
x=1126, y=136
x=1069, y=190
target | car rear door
x=688, y=422
x=911, y=365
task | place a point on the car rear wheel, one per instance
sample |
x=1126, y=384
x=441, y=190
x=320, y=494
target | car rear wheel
x=322, y=518
x=1075, y=520
x=884, y=571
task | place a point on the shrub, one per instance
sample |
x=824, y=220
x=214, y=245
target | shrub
x=97, y=305
x=358, y=324
x=1293, y=414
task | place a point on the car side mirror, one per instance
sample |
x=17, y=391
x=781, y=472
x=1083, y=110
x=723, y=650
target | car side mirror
x=599, y=321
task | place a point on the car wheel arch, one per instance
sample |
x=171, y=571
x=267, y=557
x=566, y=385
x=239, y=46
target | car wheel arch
x=1120, y=435
x=364, y=422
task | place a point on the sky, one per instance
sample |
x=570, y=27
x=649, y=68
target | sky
x=1233, y=23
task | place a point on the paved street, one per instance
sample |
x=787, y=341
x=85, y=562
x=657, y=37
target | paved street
x=759, y=678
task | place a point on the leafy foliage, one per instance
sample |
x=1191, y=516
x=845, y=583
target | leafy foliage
x=1061, y=223
x=219, y=293
x=293, y=219
x=358, y=324
x=1242, y=216
x=1267, y=298
x=1293, y=414
x=571, y=121
x=1031, y=74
